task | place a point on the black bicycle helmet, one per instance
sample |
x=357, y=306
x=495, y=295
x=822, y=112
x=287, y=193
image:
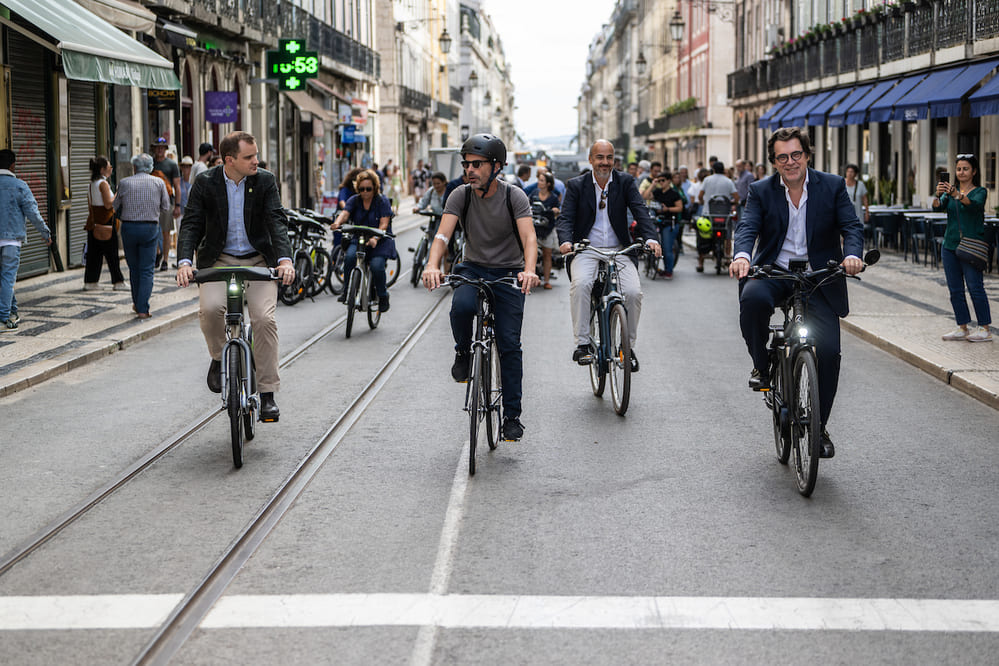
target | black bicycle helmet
x=487, y=145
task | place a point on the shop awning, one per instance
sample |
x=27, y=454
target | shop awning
x=780, y=119
x=881, y=110
x=857, y=113
x=764, y=120
x=817, y=116
x=309, y=104
x=94, y=50
x=799, y=118
x=914, y=105
x=946, y=102
x=124, y=14
x=985, y=102
x=837, y=118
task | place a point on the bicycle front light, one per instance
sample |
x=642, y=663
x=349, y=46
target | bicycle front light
x=233, y=288
x=802, y=332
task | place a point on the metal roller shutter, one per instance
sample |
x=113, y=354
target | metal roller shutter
x=28, y=122
x=82, y=147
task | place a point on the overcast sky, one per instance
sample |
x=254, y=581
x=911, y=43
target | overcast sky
x=546, y=42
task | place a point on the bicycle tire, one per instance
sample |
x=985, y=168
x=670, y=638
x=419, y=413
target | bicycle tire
x=619, y=363
x=303, y=273
x=493, y=392
x=651, y=266
x=805, y=427
x=234, y=391
x=777, y=400
x=474, y=409
x=321, y=268
x=393, y=267
x=352, y=287
x=335, y=283
x=374, y=313
x=598, y=372
x=250, y=415
x=419, y=259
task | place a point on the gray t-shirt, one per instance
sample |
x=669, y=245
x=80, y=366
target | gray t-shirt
x=490, y=238
x=857, y=194
x=170, y=170
x=717, y=185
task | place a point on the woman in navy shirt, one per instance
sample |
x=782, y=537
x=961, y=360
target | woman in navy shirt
x=369, y=208
x=547, y=238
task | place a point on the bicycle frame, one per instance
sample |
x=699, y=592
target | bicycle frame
x=607, y=275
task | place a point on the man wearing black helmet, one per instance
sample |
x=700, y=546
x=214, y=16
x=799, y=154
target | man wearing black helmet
x=499, y=241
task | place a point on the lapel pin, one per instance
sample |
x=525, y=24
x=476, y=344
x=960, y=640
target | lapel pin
x=250, y=190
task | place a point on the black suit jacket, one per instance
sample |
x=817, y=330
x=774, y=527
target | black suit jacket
x=578, y=212
x=832, y=229
x=206, y=219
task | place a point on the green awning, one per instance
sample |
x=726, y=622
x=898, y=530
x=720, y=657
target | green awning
x=94, y=50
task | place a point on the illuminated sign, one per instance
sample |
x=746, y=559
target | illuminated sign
x=291, y=65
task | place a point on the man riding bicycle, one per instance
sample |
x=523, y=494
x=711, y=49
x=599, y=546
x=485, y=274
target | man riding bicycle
x=499, y=242
x=798, y=212
x=595, y=208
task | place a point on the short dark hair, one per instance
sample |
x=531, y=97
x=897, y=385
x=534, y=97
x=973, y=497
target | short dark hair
x=718, y=167
x=523, y=169
x=7, y=158
x=976, y=178
x=853, y=166
x=788, y=134
x=229, y=146
x=656, y=164
x=438, y=175
x=205, y=148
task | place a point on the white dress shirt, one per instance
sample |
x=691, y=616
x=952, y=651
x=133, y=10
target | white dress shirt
x=602, y=234
x=796, y=241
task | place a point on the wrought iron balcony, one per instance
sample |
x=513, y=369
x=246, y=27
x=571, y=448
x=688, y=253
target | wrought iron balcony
x=414, y=99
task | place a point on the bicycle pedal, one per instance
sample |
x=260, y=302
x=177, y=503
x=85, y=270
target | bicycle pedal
x=270, y=420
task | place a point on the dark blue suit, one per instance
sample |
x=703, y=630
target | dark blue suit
x=832, y=231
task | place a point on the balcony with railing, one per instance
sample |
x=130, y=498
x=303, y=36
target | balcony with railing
x=868, y=39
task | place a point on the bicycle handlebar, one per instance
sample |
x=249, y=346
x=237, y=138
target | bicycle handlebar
x=585, y=246
x=367, y=232
x=223, y=273
x=455, y=280
x=427, y=213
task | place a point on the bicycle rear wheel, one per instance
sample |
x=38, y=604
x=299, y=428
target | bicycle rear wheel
x=418, y=260
x=492, y=390
x=598, y=371
x=475, y=407
x=374, y=314
x=321, y=269
x=805, y=427
x=336, y=282
x=619, y=364
x=392, y=269
x=777, y=399
x=353, y=285
x=253, y=407
x=235, y=397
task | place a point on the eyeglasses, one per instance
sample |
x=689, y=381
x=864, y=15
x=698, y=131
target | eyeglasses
x=965, y=156
x=603, y=199
x=794, y=157
x=475, y=164
x=365, y=189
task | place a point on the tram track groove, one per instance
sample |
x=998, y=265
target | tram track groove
x=188, y=615
x=80, y=509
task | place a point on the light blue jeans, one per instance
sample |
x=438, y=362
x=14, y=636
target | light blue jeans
x=10, y=259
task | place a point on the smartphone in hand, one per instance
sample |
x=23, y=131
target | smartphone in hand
x=944, y=177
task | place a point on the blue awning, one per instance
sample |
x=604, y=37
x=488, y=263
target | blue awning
x=764, y=120
x=947, y=101
x=858, y=112
x=914, y=105
x=985, y=102
x=800, y=116
x=881, y=110
x=817, y=116
x=838, y=117
x=787, y=115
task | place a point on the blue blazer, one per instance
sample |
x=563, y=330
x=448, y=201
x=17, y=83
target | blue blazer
x=578, y=212
x=831, y=226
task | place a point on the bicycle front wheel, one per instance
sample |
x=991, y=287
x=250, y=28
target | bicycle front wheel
x=392, y=269
x=418, y=260
x=235, y=400
x=321, y=269
x=598, y=372
x=619, y=364
x=353, y=284
x=374, y=314
x=476, y=405
x=805, y=427
x=777, y=399
x=336, y=281
x=492, y=390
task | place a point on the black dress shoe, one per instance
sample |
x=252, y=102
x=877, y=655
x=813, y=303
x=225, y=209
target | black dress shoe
x=826, y=448
x=269, y=412
x=758, y=381
x=215, y=377
x=582, y=355
x=383, y=303
x=461, y=367
x=513, y=429
x=634, y=361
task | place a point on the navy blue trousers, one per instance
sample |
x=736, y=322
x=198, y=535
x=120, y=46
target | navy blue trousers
x=508, y=306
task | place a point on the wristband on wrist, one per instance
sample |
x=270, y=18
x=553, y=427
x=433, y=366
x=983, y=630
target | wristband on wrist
x=441, y=237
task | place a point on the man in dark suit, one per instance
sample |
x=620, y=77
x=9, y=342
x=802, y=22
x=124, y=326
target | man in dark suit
x=234, y=218
x=595, y=207
x=798, y=212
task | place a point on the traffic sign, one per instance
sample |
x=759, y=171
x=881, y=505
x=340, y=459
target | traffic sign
x=291, y=64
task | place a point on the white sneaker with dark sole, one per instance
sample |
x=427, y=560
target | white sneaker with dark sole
x=980, y=334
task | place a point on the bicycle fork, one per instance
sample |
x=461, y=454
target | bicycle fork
x=247, y=397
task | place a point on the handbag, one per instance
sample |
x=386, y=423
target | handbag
x=100, y=221
x=973, y=252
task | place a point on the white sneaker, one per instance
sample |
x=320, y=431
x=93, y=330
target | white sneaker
x=957, y=334
x=119, y=286
x=91, y=286
x=980, y=334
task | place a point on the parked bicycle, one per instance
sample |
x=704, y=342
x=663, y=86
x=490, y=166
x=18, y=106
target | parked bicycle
x=484, y=391
x=239, y=383
x=422, y=250
x=793, y=395
x=609, y=328
x=360, y=291
x=307, y=237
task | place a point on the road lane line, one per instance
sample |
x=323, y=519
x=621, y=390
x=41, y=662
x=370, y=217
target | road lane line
x=460, y=611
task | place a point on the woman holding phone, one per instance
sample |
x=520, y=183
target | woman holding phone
x=964, y=203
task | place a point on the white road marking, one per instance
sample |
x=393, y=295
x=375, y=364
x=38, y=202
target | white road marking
x=509, y=612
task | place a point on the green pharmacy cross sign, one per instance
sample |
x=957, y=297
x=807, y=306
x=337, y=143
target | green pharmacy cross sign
x=291, y=65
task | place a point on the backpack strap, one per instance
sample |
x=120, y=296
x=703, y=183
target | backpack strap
x=509, y=206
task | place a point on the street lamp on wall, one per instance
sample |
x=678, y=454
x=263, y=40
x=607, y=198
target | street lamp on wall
x=444, y=40
x=605, y=105
x=473, y=79
x=676, y=26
